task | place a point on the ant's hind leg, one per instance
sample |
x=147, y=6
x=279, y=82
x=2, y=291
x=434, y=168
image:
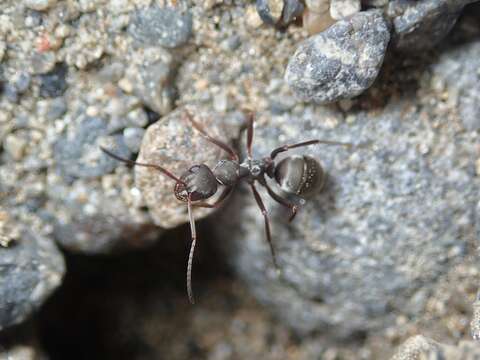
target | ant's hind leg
x=260, y=204
x=293, y=207
x=250, y=121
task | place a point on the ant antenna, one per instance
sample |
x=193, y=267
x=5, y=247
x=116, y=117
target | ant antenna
x=192, y=249
x=134, y=163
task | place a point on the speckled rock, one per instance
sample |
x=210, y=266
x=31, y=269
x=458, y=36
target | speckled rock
x=172, y=143
x=31, y=268
x=396, y=213
x=342, y=61
x=78, y=155
x=420, y=347
x=151, y=77
x=164, y=26
x=457, y=71
x=419, y=25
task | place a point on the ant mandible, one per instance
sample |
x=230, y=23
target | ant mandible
x=296, y=175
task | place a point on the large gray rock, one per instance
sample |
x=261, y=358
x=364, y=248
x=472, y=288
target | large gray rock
x=419, y=25
x=341, y=62
x=396, y=214
x=457, y=71
x=31, y=268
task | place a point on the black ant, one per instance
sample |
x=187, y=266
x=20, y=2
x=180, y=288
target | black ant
x=296, y=175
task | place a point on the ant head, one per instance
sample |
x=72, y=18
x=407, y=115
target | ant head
x=199, y=184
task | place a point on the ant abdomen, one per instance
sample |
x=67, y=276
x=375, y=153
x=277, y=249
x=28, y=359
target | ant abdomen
x=300, y=175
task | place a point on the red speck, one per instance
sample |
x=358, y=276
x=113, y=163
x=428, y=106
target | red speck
x=43, y=44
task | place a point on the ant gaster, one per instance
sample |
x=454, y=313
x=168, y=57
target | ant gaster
x=296, y=175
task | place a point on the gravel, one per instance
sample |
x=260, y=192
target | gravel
x=420, y=347
x=341, y=62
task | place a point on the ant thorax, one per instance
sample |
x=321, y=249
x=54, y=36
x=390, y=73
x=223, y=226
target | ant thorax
x=255, y=169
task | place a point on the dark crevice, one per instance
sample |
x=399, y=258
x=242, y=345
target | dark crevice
x=85, y=318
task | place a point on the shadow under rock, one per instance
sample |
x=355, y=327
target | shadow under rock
x=106, y=302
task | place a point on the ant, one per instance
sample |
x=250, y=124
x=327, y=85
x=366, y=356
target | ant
x=295, y=175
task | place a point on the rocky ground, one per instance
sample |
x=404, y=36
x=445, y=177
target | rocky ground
x=387, y=251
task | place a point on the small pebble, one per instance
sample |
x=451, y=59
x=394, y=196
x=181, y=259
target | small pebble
x=42, y=62
x=56, y=108
x=341, y=62
x=165, y=26
x=53, y=84
x=10, y=93
x=133, y=138
x=340, y=9
x=15, y=146
x=22, y=82
x=315, y=22
x=40, y=5
x=279, y=12
x=3, y=48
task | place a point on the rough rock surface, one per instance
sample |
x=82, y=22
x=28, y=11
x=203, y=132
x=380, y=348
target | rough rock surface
x=174, y=144
x=458, y=71
x=397, y=212
x=341, y=62
x=419, y=25
x=31, y=268
x=420, y=347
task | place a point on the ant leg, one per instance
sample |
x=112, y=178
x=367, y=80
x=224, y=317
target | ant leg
x=192, y=249
x=134, y=163
x=283, y=148
x=225, y=194
x=293, y=208
x=260, y=204
x=250, y=121
x=220, y=144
